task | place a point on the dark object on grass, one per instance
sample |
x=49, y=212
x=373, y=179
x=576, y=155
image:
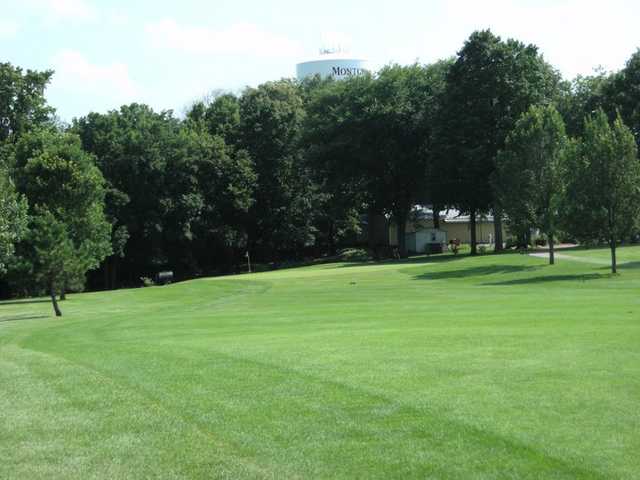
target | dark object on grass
x=164, y=278
x=433, y=248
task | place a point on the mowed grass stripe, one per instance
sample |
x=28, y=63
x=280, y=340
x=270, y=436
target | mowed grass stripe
x=489, y=367
x=108, y=425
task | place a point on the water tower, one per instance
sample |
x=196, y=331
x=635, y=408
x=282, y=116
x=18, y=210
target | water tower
x=333, y=61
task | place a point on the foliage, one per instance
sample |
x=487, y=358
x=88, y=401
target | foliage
x=291, y=169
x=371, y=135
x=491, y=83
x=622, y=95
x=69, y=234
x=175, y=191
x=354, y=255
x=603, y=191
x=332, y=143
x=581, y=97
x=530, y=171
x=147, y=282
x=130, y=147
x=219, y=116
x=399, y=128
x=50, y=255
x=282, y=217
x=13, y=218
x=22, y=99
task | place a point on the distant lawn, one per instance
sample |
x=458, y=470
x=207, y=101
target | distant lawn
x=624, y=254
x=445, y=367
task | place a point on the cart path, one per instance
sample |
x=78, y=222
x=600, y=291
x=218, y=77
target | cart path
x=564, y=256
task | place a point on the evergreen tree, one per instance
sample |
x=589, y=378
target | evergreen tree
x=69, y=234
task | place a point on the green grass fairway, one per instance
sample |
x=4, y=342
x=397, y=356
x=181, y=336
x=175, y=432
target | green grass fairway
x=623, y=254
x=495, y=367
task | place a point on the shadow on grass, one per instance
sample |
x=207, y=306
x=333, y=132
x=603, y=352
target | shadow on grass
x=408, y=261
x=475, y=271
x=26, y=301
x=623, y=266
x=21, y=317
x=549, y=278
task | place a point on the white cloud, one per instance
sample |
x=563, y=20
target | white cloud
x=73, y=9
x=76, y=11
x=75, y=74
x=238, y=39
x=117, y=18
x=57, y=10
x=8, y=28
x=574, y=35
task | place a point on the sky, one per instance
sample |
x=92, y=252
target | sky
x=167, y=54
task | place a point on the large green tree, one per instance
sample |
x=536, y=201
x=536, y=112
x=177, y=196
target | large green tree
x=69, y=234
x=22, y=99
x=130, y=146
x=620, y=95
x=334, y=141
x=50, y=258
x=218, y=114
x=491, y=83
x=372, y=137
x=177, y=195
x=209, y=191
x=530, y=172
x=603, y=184
x=583, y=96
x=13, y=217
x=281, y=220
x=399, y=123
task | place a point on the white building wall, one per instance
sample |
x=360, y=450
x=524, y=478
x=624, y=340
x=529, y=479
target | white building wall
x=338, y=68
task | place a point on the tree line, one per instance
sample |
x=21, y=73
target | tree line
x=291, y=168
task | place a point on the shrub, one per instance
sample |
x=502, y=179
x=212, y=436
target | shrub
x=354, y=255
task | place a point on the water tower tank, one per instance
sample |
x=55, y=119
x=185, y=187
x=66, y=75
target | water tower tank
x=332, y=63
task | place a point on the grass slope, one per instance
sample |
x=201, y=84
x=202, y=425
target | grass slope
x=470, y=368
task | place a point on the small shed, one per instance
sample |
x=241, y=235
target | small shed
x=426, y=240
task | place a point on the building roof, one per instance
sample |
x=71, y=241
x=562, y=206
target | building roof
x=451, y=216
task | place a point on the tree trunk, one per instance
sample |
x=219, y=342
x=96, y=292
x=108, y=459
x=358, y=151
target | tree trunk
x=331, y=244
x=105, y=273
x=614, y=266
x=472, y=226
x=63, y=293
x=113, y=270
x=54, y=302
x=401, y=225
x=497, y=226
x=436, y=217
x=371, y=230
x=552, y=258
